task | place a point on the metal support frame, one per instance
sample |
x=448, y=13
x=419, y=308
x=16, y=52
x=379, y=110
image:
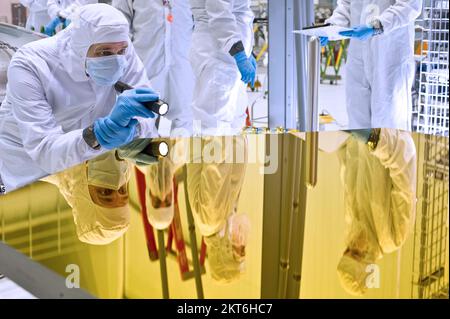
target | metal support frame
x=283, y=220
x=163, y=264
x=287, y=62
x=431, y=114
x=35, y=278
x=285, y=191
x=193, y=240
x=431, y=229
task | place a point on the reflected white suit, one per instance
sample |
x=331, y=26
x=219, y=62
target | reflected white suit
x=380, y=200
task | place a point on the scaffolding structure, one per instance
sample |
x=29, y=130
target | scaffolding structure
x=430, y=267
x=431, y=110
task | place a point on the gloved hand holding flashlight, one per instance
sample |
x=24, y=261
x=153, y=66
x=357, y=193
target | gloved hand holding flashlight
x=130, y=104
x=119, y=128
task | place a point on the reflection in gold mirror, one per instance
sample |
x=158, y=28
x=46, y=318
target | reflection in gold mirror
x=204, y=221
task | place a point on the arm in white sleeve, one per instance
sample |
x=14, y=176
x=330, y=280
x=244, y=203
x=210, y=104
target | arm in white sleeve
x=136, y=76
x=245, y=16
x=222, y=23
x=53, y=8
x=397, y=153
x=126, y=7
x=35, y=5
x=402, y=13
x=341, y=15
x=43, y=139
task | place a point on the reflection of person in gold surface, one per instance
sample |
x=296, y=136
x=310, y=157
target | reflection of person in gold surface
x=97, y=191
x=159, y=192
x=214, y=190
x=378, y=170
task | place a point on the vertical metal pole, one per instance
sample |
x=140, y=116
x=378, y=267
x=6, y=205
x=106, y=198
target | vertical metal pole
x=290, y=106
x=193, y=240
x=273, y=198
x=277, y=63
x=162, y=264
x=298, y=226
x=312, y=135
x=303, y=11
x=313, y=84
x=287, y=212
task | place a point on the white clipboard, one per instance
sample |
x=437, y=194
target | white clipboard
x=326, y=30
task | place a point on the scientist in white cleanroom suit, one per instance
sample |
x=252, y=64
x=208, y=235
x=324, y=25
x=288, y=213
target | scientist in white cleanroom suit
x=223, y=63
x=380, y=64
x=60, y=107
x=161, y=33
x=37, y=14
x=213, y=190
x=63, y=8
x=97, y=192
x=379, y=177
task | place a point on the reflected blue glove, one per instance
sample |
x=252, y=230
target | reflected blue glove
x=50, y=28
x=129, y=105
x=323, y=41
x=361, y=32
x=361, y=135
x=246, y=68
x=110, y=135
x=134, y=152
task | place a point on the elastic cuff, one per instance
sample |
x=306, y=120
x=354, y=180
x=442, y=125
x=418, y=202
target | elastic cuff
x=236, y=48
x=377, y=27
x=90, y=138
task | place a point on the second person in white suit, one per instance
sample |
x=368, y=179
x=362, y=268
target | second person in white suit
x=37, y=14
x=161, y=32
x=222, y=60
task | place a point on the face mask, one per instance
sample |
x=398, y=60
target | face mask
x=106, y=70
x=107, y=172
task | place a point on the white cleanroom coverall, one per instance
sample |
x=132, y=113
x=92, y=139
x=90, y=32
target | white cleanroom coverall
x=50, y=99
x=220, y=97
x=163, y=46
x=379, y=71
x=54, y=7
x=37, y=14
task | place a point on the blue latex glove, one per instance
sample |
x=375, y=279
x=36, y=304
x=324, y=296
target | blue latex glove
x=323, y=41
x=111, y=135
x=50, y=28
x=245, y=66
x=361, y=135
x=129, y=105
x=361, y=32
x=253, y=61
